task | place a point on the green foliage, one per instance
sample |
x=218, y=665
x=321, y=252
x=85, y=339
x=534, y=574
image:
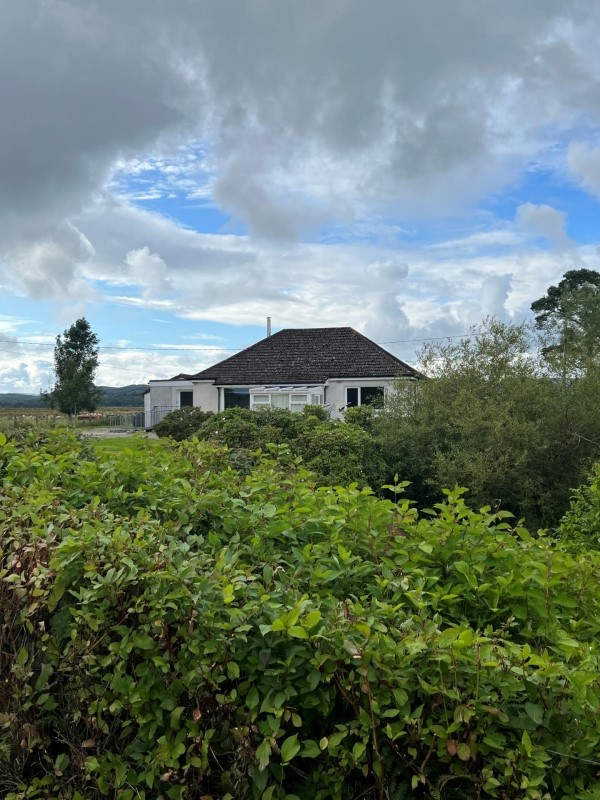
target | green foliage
x=75, y=364
x=569, y=317
x=182, y=423
x=173, y=628
x=336, y=453
x=581, y=524
x=493, y=419
x=320, y=412
x=363, y=416
x=340, y=454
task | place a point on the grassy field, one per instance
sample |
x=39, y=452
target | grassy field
x=119, y=444
x=44, y=417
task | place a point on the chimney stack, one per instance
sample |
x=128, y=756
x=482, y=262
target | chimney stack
x=268, y=326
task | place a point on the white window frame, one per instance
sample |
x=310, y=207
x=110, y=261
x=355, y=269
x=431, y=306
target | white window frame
x=297, y=397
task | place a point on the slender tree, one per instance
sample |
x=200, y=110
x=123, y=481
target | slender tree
x=75, y=364
x=568, y=316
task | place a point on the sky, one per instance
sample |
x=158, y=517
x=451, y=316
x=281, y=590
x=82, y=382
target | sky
x=177, y=172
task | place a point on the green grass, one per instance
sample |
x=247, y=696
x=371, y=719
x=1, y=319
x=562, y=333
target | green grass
x=118, y=444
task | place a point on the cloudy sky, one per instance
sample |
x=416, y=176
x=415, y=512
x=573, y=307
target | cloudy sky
x=178, y=171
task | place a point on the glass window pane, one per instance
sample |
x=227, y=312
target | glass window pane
x=280, y=400
x=351, y=397
x=237, y=398
x=371, y=396
x=299, y=398
x=186, y=399
x=260, y=398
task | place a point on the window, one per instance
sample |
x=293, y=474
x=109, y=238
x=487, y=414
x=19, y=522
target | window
x=298, y=401
x=237, y=398
x=280, y=400
x=352, y=397
x=186, y=399
x=290, y=398
x=364, y=396
x=371, y=396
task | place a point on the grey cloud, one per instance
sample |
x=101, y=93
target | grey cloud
x=338, y=101
x=584, y=162
x=494, y=293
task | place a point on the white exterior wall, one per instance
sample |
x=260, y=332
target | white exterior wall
x=336, y=391
x=206, y=396
x=162, y=398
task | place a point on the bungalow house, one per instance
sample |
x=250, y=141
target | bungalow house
x=334, y=367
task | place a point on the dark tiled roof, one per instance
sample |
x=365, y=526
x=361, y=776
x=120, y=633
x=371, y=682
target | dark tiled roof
x=307, y=355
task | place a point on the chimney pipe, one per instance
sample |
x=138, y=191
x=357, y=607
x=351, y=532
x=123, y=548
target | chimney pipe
x=268, y=326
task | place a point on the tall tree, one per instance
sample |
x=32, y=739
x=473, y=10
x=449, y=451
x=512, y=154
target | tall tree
x=568, y=316
x=75, y=364
x=491, y=418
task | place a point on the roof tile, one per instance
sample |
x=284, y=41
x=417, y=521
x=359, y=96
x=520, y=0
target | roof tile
x=305, y=356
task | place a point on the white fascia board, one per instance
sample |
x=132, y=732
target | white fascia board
x=171, y=383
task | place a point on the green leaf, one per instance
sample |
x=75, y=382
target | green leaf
x=61, y=763
x=263, y=754
x=463, y=751
x=233, y=670
x=310, y=749
x=252, y=698
x=290, y=748
x=312, y=618
x=142, y=641
x=535, y=711
x=298, y=632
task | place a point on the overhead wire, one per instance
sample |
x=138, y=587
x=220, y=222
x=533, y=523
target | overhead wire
x=204, y=348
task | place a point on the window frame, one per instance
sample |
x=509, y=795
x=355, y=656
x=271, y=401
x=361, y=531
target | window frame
x=359, y=391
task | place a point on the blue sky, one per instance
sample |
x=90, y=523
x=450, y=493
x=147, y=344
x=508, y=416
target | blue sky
x=178, y=176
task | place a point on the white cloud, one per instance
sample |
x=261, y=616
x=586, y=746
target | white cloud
x=584, y=163
x=546, y=221
x=148, y=270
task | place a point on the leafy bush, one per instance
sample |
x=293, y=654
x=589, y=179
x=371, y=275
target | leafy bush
x=174, y=629
x=363, y=416
x=182, y=423
x=340, y=454
x=581, y=524
x=336, y=453
x=320, y=412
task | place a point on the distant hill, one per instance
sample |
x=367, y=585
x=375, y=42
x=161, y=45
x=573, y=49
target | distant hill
x=112, y=397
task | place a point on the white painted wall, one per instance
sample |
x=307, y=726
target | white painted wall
x=162, y=398
x=206, y=396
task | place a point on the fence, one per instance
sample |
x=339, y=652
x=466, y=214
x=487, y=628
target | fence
x=156, y=413
x=129, y=420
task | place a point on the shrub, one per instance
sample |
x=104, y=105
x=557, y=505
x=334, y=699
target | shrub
x=362, y=416
x=318, y=412
x=173, y=629
x=581, y=524
x=336, y=453
x=341, y=454
x=182, y=424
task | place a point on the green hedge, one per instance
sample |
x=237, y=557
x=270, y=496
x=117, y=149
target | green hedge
x=173, y=628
